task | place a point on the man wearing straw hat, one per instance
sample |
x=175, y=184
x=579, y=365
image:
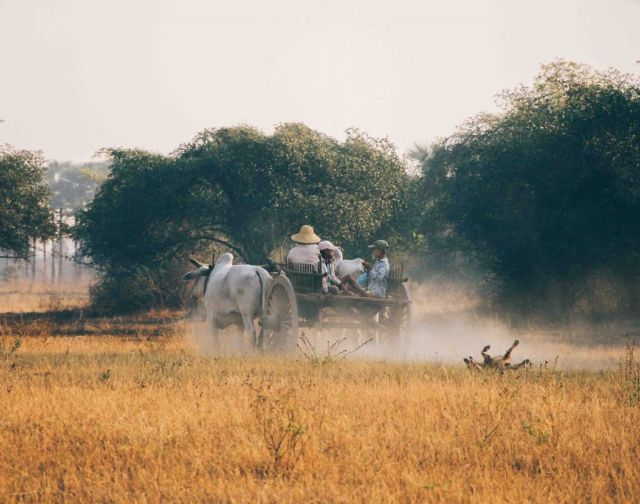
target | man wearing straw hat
x=306, y=250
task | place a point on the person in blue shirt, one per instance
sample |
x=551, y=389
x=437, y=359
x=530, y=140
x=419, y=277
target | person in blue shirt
x=375, y=277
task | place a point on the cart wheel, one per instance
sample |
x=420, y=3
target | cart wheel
x=279, y=331
x=399, y=318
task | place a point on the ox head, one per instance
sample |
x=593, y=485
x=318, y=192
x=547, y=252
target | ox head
x=200, y=271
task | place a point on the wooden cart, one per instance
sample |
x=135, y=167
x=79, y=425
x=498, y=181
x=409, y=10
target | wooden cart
x=295, y=300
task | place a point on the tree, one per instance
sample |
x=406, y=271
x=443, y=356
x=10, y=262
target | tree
x=24, y=213
x=149, y=209
x=273, y=184
x=547, y=192
x=239, y=189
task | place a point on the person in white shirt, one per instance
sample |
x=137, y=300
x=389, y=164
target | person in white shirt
x=306, y=250
x=331, y=282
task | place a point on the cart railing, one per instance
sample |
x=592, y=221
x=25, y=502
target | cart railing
x=395, y=281
x=307, y=279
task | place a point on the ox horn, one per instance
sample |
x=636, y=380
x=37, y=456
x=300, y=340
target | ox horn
x=197, y=264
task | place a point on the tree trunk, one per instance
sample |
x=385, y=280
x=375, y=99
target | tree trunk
x=44, y=261
x=53, y=261
x=33, y=260
x=60, y=247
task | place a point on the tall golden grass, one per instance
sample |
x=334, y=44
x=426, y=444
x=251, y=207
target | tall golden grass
x=106, y=419
x=27, y=296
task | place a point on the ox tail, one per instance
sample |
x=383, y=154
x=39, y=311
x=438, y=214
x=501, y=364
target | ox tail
x=264, y=278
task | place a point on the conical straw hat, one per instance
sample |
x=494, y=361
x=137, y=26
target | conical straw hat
x=306, y=235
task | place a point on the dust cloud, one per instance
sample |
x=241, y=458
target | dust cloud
x=231, y=341
x=446, y=327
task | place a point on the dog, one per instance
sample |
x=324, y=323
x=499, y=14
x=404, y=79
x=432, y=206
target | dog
x=500, y=363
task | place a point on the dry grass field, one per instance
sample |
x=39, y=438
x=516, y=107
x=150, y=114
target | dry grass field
x=146, y=419
x=127, y=410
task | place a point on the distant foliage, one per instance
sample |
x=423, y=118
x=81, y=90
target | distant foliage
x=545, y=194
x=24, y=201
x=74, y=185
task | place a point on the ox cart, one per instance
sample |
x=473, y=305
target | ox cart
x=295, y=301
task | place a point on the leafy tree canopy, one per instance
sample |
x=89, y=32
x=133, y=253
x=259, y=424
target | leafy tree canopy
x=24, y=201
x=546, y=191
x=241, y=188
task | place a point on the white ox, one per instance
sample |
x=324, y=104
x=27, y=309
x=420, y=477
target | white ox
x=234, y=294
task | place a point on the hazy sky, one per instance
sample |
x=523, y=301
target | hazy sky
x=78, y=75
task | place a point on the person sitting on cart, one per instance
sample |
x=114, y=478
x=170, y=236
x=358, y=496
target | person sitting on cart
x=331, y=282
x=306, y=250
x=374, y=279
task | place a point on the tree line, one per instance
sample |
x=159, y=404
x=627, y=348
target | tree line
x=538, y=203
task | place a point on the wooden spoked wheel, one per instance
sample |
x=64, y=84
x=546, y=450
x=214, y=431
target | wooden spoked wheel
x=279, y=331
x=399, y=317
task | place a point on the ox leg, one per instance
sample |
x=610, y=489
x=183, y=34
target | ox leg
x=214, y=331
x=247, y=321
x=260, y=341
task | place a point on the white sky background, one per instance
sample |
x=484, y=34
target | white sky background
x=79, y=75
